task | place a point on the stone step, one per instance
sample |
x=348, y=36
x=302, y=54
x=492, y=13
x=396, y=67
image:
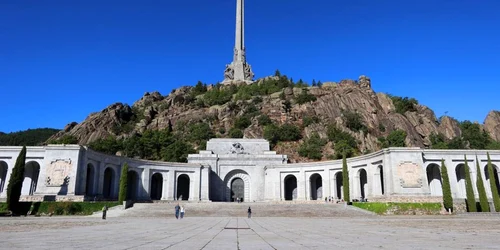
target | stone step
x=259, y=209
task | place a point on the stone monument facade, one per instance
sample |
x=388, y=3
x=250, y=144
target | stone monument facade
x=247, y=170
x=239, y=70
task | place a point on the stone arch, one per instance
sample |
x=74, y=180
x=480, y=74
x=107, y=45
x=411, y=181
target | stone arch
x=108, y=183
x=156, y=186
x=487, y=175
x=316, y=185
x=183, y=186
x=434, y=179
x=290, y=187
x=31, y=174
x=460, y=175
x=339, y=185
x=363, y=183
x=133, y=181
x=228, y=181
x=4, y=168
x=89, y=183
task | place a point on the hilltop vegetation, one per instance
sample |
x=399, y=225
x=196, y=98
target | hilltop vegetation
x=30, y=137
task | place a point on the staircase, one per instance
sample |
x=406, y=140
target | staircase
x=233, y=209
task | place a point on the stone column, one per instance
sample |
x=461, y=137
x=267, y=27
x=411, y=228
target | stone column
x=301, y=186
x=100, y=178
x=146, y=184
x=165, y=188
x=205, y=183
x=171, y=188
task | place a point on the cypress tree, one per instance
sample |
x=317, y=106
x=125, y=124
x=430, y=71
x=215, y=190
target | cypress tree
x=483, y=200
x=122, y=195
x=471, y=199
x=345, y=179
x=493, y=186
x=16, y=182
x=447, y=198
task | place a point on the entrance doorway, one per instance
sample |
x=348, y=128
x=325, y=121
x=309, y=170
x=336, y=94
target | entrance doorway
x=183, y=187
x=237, y=189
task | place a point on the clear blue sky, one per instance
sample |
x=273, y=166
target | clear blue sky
x=61, y=60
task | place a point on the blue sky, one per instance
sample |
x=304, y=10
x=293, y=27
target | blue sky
x=61, y=60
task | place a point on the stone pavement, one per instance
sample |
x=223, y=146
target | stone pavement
x=384, y=232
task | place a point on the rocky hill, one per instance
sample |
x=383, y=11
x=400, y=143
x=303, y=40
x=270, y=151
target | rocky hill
x=350, y=106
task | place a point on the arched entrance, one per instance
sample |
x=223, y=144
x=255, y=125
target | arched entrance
x=363, y=181
x=290, y=187
x=460, y=174
x=132, y=185
x=316, y=187
x=495, y=173
x=3, y=175
x=109, y=179
x=237, y=189
x=237, y=185
x=183, y=187
x=156, y=186
x=434, y=180
x=31, y=173
x=89, y=188
x=339, y=186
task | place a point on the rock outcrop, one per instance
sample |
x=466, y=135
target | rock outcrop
x=377, y=111
x=492, y=124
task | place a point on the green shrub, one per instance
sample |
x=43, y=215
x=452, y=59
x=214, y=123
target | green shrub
x=235, y=133
x=447, y=198
x=471, y=199
x=16, y=182
x=438, y=141
x=312, y=148
x=345, y=179
x=264, y=120
x=289, y=132
x=305, y=97
x=483, y=199
x=404, y=104
x=353, y=120
x=242, y=122
x=308, y=120
x=493, y=186
x=122, y=195
x=395, y=139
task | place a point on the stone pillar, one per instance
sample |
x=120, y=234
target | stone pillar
x=301, y=186
x=165, y=188
x=100, y=178
x=146, y=184
x=171, y=185
x=205, y=183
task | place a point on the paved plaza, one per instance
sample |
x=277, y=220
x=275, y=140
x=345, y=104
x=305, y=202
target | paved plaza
x=382, y=232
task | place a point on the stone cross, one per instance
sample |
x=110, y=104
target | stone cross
x=239, y=70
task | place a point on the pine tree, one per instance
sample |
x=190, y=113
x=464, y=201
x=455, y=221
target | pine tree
x=483, y=200
x=447, y=198
x=345, y=179
x=122, y=196
x=471, y=199
x=16, y=182
x=493, y=186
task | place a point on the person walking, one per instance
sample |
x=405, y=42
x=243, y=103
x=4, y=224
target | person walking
x=177, y=208
x=104, y=211
x=249, y=213
x=182, y=212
